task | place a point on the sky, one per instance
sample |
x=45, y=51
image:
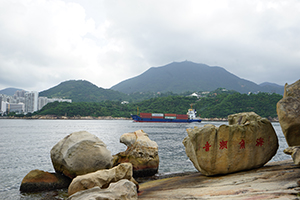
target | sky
x=46, y=42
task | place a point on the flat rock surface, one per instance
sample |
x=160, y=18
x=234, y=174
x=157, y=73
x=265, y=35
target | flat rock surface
x=276, y=180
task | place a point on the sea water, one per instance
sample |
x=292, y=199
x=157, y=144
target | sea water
x=25, y=145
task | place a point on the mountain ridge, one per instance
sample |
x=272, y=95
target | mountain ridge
x=174, y=77
x=9, y=91
x=188, y=76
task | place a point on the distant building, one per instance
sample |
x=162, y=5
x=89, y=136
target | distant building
x=31, y=102
x=16, y=107
x=194, y=95
x=3, y=107
x=25, y=102
x=44, y=101
x=19, y=93
x=124, y=102
x=0, y=104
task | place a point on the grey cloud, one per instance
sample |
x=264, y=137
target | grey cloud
x=114, y=40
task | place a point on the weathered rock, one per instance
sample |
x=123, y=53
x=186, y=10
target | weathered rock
x=123, y=189
x=288, y=111
x=141, y=152
x=275, y=180
x=294, y=152
x=80, y=153
x=248, y=142
x=101, y=178
x=292, y=90
x=37, y=180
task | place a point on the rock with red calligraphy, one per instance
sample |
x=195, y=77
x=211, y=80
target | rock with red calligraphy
x=248, y=141
x=288, y=111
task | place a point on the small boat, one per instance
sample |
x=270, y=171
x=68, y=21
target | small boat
x=167, y=117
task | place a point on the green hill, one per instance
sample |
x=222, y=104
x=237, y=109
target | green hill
x=179, y=77
x=216, y=104
x=82, y=91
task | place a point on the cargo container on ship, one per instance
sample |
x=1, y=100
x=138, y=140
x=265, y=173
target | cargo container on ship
x=167, y=117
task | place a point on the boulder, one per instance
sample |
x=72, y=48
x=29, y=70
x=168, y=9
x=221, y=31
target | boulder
x=37, y=180
x=248, y=142
x=288, y=111
x=80, y=153
x=294, y=152
x=141, y=152
x=123, y=189
x=101, y=178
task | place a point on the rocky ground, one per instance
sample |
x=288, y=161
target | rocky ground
x=276, y=180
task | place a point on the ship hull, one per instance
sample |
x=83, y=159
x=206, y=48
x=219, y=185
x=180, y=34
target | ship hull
x=137, y=118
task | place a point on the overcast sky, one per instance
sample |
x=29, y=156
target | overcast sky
x=45, y=42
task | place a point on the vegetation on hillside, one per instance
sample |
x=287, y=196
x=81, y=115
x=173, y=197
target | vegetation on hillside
x=84, y=91
x=263, y=104
x=215, y=104
x=81, y=91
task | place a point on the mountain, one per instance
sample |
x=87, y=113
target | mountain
x=185, y=76
x=272, y=87
x=9, y=91
x=81, y=91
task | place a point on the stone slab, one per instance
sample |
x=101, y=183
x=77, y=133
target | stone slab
x=276, y=180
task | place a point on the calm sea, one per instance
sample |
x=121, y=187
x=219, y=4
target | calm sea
x=25, y=145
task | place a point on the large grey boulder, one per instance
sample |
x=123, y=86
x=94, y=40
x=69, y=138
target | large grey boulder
x=288, y=111
x=248, y=142
x=80, y=153
x=121, y=190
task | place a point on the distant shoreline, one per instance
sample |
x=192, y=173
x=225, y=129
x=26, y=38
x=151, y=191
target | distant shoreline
x=52, y=117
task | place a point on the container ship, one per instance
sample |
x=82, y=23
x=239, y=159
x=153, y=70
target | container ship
x=167, y=117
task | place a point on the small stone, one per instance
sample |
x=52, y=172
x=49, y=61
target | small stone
x=298, y=182
x=123, y=189
x=101, y=178
x=294, y=152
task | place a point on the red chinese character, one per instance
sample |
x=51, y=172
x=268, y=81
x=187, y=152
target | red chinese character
x=242, y=143
x=259, y=141
x=206, y=147
x=223, y=144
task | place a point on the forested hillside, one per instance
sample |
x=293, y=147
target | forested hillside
x=214, y=105
x=81, y=91
x=222, y=105
x=84, y=91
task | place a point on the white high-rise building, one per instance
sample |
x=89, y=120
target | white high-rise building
x=31, y=102
x=42, y=102
x=16, y=107
x=3, y=107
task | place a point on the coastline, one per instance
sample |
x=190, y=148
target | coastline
x=53, y=117
x=273, y=180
